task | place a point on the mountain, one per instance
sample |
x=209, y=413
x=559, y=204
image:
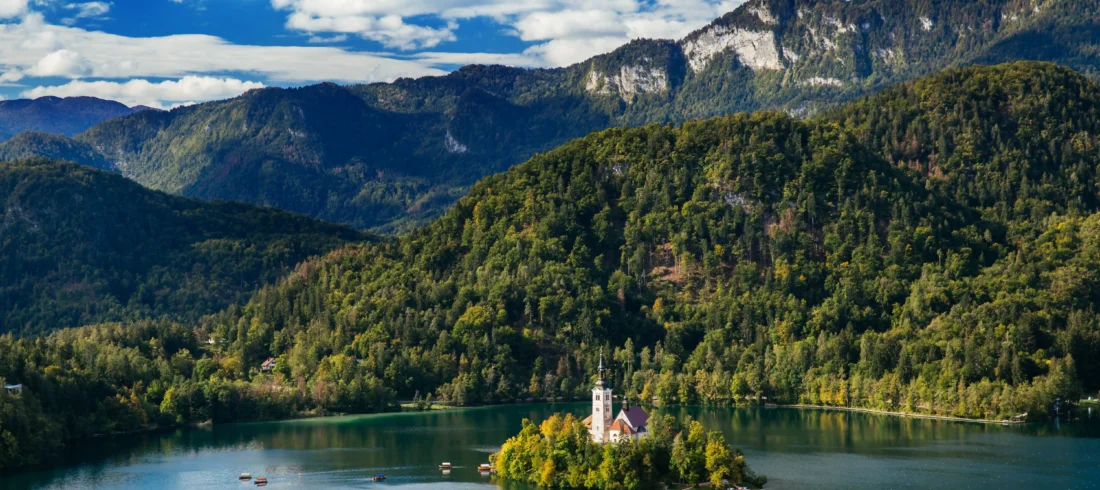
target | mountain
x=81, y=246
x=930, y=249
x=748, y=255
x=68, y=116
x=390, y=156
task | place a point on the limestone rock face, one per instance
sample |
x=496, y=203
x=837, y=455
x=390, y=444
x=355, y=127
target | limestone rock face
x=630, y=80
x=755, y=49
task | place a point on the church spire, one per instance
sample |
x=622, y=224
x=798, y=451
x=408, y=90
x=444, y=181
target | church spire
x=601, y=364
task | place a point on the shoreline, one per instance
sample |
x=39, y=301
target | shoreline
x=947, y=418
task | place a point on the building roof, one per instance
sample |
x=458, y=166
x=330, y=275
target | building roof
x=13, y=387
x=588, y=421
x=635, y=416
x=622, y=427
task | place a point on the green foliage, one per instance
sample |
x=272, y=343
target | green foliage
x=560, y=453
x=80, y=246
x=79, y=383
x=727, y=259
x=54, y=147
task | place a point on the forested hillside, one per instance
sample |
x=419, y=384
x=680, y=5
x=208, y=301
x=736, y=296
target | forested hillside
x=28, y=145
x=392, y=156
x=80, y=246
x=784, y=256
x=931, y=250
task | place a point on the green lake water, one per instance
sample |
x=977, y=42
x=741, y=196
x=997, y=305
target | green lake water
x=796, y=448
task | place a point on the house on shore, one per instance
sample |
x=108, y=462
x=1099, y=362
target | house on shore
x=268, y=365
x=14, y=389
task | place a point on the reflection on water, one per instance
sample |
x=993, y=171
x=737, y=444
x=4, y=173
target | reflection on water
x=795, y=448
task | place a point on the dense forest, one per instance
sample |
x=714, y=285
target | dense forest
x=930, y=250
x=392, y=156
x=80, y=246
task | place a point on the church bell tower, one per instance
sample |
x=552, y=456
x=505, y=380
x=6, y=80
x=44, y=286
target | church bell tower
x=602, y=416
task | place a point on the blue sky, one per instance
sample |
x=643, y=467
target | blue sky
x=171, y=52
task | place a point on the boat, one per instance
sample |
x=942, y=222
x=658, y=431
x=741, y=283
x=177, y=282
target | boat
x=446, y=466
x=484, y=467
x=245, y=476
x=379, y=477
x=261, y=481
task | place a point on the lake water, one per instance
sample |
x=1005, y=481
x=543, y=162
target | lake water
x=796, y=448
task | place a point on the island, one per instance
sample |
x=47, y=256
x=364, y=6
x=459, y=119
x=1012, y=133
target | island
x=635, y=451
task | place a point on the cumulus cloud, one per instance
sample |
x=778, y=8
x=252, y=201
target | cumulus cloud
x=61, y=63
x=163, y=95
x=12, y=8
x=565, y=31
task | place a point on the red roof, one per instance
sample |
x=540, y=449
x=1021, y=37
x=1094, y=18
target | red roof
x=622, y=427
x=588, y=421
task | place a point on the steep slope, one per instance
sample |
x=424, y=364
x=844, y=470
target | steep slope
x=391, y=156
x=81, y=246
x=67, y=116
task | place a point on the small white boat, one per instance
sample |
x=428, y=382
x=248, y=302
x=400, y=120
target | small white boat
x=485, y=467
x=245, y=476
x=446, y=466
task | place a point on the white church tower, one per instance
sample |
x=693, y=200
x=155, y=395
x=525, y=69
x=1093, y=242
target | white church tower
x=602, y=415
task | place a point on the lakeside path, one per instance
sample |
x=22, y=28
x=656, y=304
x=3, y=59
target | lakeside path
x=904, y=414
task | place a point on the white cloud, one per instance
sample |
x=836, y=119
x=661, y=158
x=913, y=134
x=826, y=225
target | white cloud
x=25, y=47
x=567, y=31
x=390, y=30
x=161, y=95
x=12, y=8
x=86, y=10
x=328, y=40
x=61, y=63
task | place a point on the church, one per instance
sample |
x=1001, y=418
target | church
x=630, y=423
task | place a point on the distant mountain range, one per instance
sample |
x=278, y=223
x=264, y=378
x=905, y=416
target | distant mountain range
x=389, y=156
x=68, y=116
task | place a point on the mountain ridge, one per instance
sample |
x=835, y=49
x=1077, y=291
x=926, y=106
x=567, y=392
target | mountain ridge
x=424, y=141
x=67, y=116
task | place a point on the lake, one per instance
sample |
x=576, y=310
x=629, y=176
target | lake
x=796, y=448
